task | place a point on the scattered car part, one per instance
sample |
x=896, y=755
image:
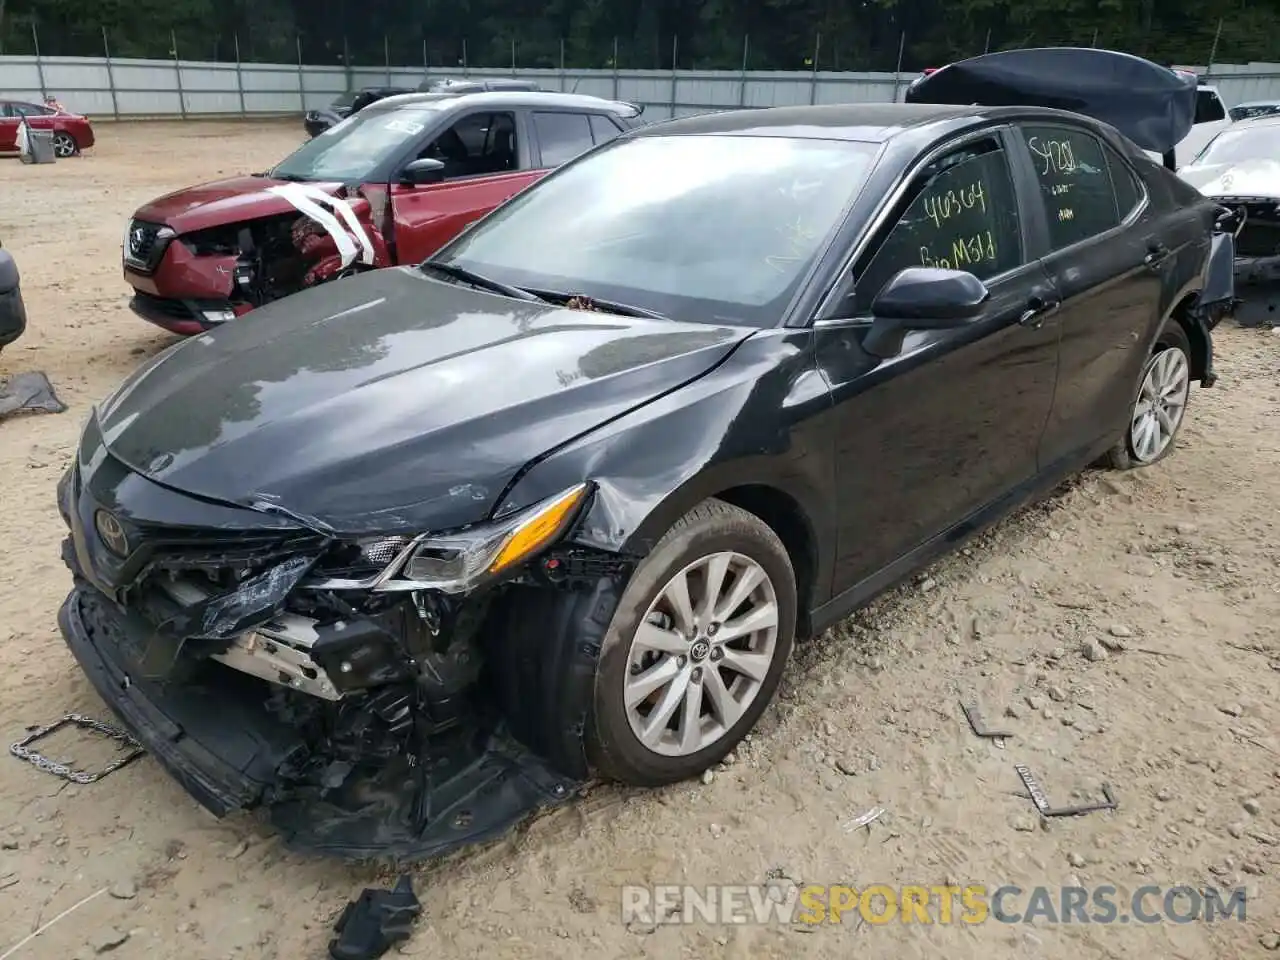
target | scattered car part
x=28, y=393
x=23, y=751
x=864, y=820
x=977, y=724
x=374, y=923
x=1046, y=809
x=13, y=312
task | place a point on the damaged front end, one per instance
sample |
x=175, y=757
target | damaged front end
x=345, y=684
x=193, y=281
x=1255, y=225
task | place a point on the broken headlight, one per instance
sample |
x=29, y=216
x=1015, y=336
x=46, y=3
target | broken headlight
x=457, y=562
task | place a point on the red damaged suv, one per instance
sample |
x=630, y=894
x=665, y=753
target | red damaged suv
x=389, y=185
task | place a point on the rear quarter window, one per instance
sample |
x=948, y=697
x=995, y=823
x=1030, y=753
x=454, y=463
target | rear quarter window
x=1128, y=191
x=603, y=129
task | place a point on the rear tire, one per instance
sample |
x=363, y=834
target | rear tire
x=64, y=145
x=1160, y=402
x=695, y=650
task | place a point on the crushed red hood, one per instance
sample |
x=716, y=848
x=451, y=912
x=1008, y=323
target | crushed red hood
x=221, y=202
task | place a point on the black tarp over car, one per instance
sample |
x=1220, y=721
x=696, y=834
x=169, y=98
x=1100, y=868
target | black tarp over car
x=1151, y=105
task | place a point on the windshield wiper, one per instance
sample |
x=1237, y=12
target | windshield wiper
x=609, y=306
x=288, y=177
x=480, y=280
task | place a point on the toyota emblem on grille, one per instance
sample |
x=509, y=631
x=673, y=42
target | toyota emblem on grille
x=111, y=533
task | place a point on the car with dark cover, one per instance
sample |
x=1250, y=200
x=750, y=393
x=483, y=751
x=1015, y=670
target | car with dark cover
x=435, y=545
x=353, y=101
x=316, y=122
x=388, y=185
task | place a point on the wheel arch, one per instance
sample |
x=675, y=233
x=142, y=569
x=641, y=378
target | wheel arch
x=1197, y=335
x=784, y=515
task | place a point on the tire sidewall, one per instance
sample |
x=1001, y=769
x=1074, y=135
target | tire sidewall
x=60, y=136
x=612, y=745
x=1171, y=336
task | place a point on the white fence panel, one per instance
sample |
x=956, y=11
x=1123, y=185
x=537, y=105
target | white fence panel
x=127, y=88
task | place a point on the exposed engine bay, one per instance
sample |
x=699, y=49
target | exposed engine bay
x=324, y=238
x=316, y=678
x=1255, y=224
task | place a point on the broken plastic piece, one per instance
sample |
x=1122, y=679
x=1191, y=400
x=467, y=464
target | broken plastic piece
x=864, y=820
x=1046, y=809
x=23, y=749
x=370, y=926
x=978, y=725
x=29, y=393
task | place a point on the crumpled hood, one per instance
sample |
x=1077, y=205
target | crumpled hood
x=221, y=202
x=1247, y=178
x=391, y=400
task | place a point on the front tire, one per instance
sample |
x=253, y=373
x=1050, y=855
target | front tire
x=695, y=650
x=1160, y=404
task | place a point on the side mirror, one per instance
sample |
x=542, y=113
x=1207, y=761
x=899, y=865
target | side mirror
x=922, y=298
x=419, y=172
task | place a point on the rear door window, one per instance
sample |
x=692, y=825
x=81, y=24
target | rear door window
x=1075, y=184
x=562, y=136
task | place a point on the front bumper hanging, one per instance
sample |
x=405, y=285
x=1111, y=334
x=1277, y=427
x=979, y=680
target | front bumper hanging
x=215, y=737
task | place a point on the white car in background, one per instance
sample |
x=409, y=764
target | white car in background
x=1240, y=168
x=1211, y=119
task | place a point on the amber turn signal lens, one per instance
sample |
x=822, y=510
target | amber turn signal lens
x=538, y=530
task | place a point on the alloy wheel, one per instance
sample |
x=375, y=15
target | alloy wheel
x=701, y=654
x=63, y=145
x=1160, y=406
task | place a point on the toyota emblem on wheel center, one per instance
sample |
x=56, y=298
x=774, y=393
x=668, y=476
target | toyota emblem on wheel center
x=111, y=532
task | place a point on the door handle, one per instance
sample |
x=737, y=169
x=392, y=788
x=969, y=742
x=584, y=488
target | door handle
x=1157, y=253
x=1037, y=309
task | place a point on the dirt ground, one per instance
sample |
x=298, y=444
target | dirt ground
x=1175, y=569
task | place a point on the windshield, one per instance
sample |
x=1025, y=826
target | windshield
x=1234, y=146
x=344, y=99
x=353, y=149
x=714, y=228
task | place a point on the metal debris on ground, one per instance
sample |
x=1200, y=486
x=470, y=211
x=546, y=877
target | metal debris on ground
x=1047, y=809
x=22, y=749
x=865, y=820
x=29, y=393
x=373, y=924
x=978, y=725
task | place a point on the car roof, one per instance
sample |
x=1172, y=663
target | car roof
x=500, y=98
x=1257, y=103
x=866, y=122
